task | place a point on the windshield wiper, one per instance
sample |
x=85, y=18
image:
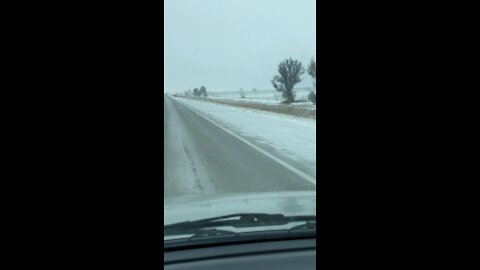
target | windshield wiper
x=203, y=226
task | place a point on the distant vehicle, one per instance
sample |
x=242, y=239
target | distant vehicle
x=175, y=94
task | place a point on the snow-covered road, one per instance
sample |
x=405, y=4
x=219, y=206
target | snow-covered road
x=291, y=138
x=213, y=148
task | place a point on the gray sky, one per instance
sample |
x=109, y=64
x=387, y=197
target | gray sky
x=229, y=44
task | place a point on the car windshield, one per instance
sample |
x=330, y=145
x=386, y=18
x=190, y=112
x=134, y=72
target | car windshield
x=239, y=120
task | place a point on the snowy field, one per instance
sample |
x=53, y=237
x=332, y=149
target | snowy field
x=290, y=138
x=263, y=96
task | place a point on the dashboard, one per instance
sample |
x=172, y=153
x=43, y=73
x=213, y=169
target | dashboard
x=285, y=254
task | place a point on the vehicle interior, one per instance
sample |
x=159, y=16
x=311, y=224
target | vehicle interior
x=272, y=254
x=240, y=134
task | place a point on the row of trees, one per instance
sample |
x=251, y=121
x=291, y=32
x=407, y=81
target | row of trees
x=289, y=74
x=198, y=92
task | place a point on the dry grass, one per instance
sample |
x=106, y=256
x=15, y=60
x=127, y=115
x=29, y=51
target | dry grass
x=295, y=110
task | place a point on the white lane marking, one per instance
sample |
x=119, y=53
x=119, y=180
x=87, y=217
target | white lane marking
x=279, y=161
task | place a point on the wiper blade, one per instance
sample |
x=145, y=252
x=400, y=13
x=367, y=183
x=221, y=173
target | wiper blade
x=236, y=221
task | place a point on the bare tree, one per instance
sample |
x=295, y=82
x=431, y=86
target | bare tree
x=312, y=97
x=312, y=71
x=290, y=72
x=203, y=91
x=196, y=92
x=242, y=94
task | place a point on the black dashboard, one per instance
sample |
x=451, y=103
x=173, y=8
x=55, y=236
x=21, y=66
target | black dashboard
x=285, y=254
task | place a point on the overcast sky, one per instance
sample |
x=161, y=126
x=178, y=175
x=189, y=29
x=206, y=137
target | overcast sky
x=231, y=44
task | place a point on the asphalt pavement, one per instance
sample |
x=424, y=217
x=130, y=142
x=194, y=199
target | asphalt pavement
x=201, y=158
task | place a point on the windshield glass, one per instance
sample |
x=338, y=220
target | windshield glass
x=239, y=119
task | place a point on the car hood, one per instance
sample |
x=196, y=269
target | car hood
x=294, y=203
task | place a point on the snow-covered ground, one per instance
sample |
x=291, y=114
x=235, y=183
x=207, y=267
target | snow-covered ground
x=261, y=96
x=264, y=101
x=306, y=104
x=293, y=139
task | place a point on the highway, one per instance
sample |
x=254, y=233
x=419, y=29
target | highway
x=202, y=157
